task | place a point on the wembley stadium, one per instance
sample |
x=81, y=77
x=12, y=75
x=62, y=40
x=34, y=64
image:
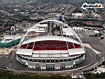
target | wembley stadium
x=50, y=45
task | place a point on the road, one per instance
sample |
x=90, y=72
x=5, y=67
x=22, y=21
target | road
x=10, y=62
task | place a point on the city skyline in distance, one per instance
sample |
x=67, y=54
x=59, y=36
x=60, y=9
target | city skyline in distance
x=53, y=1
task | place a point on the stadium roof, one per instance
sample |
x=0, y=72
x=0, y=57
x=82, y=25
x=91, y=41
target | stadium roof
x=60, y=38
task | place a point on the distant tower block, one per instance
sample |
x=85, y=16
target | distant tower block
x=13, y=29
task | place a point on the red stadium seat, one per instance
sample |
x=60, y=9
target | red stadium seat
x=50, y=45
x=77, y=46
x=23, y=46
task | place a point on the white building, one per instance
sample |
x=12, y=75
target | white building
x=49, y=45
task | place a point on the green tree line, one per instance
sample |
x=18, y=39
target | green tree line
x=11, y=75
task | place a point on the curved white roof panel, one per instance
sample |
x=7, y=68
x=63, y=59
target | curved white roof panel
x=24, y=52
x=76, y=51
x=59, y=38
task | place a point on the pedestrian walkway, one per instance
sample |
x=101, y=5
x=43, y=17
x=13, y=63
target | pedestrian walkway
x=88, y=45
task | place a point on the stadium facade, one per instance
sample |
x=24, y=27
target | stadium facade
x=50, y=45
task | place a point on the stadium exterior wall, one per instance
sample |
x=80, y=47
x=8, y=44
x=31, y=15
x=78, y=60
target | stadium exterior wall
x=57, y=65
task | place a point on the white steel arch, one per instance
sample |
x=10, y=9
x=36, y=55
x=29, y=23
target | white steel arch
x=51, y=20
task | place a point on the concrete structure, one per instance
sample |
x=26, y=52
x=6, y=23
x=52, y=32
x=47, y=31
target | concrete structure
x=78, y=15
x=50, y=45
x=8, y=38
